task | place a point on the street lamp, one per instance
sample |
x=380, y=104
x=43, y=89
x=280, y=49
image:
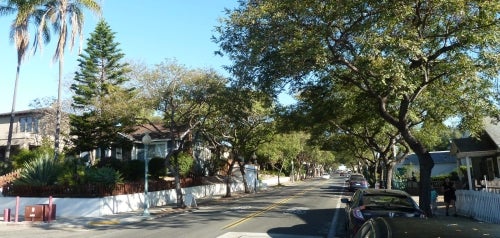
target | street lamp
x=146, y=140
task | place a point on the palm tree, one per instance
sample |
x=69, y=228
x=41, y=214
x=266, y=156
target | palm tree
x=63, y=14
x=27, y=12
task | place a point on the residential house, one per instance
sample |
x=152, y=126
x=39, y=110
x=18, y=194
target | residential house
x=32, y=126
x=27, y=131
x=444, y=163
x=481, y=155
x=132, y=146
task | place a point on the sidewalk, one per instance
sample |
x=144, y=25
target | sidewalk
x=120, y=218
x=463, y=224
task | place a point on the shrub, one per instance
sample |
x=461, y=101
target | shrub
x=41, y=171
x=69, y=177
x=110, y=162
x=25, y=156
x=186, y=163
x=104, y=175
x=133, y=170
x=5, y=167
x=157, y=168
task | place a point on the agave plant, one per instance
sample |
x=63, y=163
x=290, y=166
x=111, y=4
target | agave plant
x=41, y=171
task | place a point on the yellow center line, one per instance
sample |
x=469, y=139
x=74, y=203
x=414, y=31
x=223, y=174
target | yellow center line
x=270, y=207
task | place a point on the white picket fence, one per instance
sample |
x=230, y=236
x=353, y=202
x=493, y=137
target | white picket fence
x=482, y=206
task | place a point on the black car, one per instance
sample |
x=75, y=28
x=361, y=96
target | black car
x=386, y=227
x=370, y=203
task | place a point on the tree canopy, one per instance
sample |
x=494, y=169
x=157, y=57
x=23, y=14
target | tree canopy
x=415, y=61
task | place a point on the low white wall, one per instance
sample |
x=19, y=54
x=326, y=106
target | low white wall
x=96, y=207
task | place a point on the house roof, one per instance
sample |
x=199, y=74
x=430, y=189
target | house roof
x=156, y=131
x=485, y=145
x=24, y=112
x=492, y=128
x=439, y=157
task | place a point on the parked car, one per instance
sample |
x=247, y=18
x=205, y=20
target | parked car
x=325, y=176
x=370, y=203
x=356, y=181
x=387, y=227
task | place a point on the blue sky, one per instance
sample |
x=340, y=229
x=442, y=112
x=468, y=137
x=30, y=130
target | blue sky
x=147, y=30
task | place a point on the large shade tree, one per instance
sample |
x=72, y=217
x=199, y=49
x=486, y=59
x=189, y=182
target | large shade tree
x=27, y=13
x=350, y=117
x=241, y=122
x=414, y=60
x=183, y=98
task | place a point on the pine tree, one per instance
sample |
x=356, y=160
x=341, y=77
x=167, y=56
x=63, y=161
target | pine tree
x=100, y=96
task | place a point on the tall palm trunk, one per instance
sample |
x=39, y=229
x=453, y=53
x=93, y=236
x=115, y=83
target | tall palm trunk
x=58, y=110
x=12, y=114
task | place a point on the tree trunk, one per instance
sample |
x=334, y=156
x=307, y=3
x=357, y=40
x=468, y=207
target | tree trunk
x=426, y=165
x=424, y=158
x=388, y=178
x=178, y=189
x=12, y=115
x=243, y=173
x=58, y=110
x=228, y=178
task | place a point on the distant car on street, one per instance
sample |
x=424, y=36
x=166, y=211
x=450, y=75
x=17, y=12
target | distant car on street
x=371, y=203
x=355, y=182
x=325, y=176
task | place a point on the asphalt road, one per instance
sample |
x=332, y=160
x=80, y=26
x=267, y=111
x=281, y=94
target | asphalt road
x=306, y=209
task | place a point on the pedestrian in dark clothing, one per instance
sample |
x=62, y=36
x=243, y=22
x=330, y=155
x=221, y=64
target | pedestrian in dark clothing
x=449, y=195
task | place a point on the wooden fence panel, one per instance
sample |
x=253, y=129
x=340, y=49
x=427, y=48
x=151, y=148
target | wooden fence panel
x=93, y=190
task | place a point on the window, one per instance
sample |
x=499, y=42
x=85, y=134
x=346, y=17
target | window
x=28, y=124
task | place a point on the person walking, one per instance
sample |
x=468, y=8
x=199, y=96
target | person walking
x=449, y=196
x=434, y=196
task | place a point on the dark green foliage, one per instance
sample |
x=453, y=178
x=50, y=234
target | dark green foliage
x=214, y=165
x=186, y=164
x=69, y=177
x=24, y=155
x=73, y=172
x=99, y=94
x=104, y=175
x=5, y=167
x=110, y=162
x=133, y=170
x=42, y=171
x=157, y=168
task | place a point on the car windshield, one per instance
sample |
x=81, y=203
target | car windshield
x=385, y=200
